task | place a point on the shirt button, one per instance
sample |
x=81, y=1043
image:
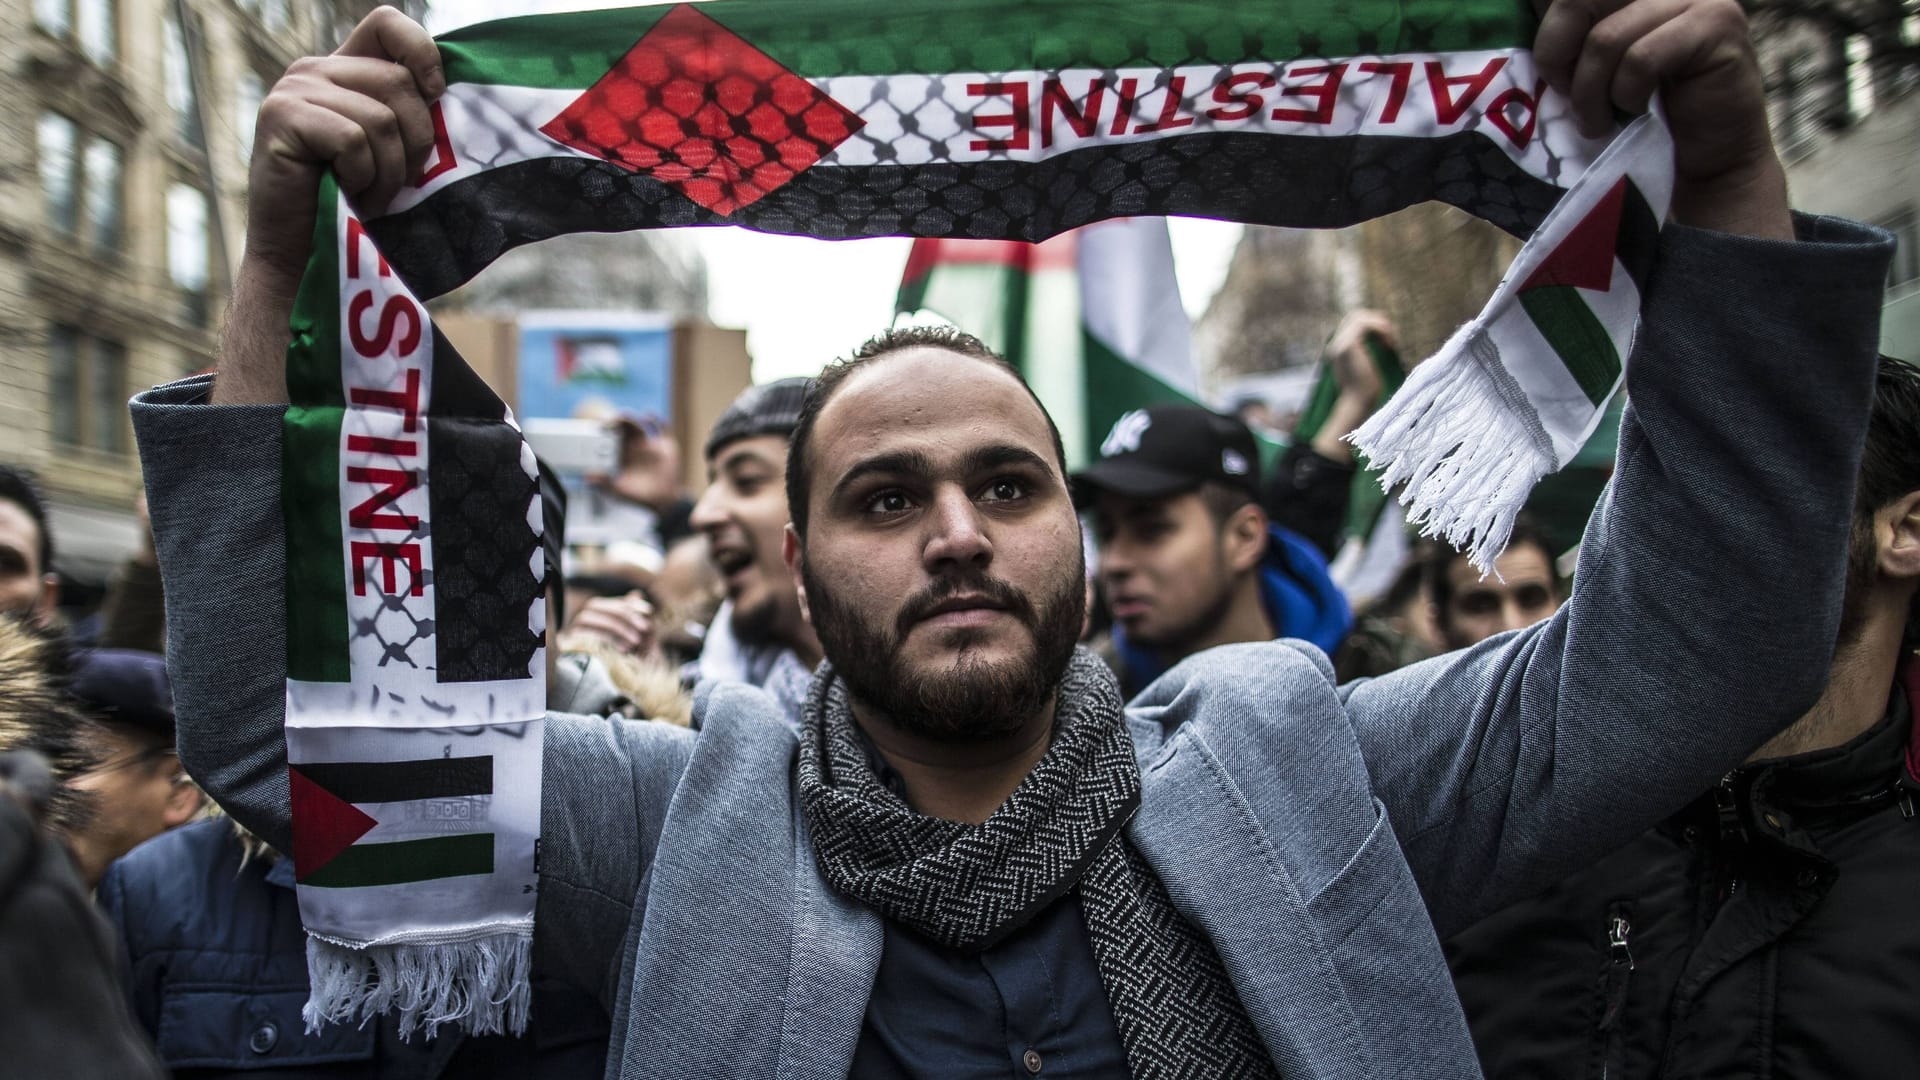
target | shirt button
x=263, y=1038
x=1031, y=1059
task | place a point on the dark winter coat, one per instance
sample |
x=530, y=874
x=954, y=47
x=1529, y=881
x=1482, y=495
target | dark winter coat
x=1767, y=930
x=218, y=973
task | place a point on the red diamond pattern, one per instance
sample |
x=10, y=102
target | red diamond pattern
x=697, y=108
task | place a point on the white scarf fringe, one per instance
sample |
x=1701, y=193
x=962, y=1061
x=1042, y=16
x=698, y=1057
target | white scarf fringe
x=1467, y=462
x=480, y=985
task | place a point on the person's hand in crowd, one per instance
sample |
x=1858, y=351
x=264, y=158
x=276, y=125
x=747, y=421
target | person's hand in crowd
x=622, y=623
x=363, y=111
x=1612, y=55
x=649, y=472
x=1357, y=377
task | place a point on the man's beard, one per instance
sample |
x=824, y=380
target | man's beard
x=756, y=625
x=1177, y=641
x=1863, y=571
x=975, y=701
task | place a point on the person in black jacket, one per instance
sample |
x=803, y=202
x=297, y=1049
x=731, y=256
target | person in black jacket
x=1766, y=930
x=213, y=954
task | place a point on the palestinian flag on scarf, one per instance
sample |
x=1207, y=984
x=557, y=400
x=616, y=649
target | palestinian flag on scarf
x=416, y=668
x=411, y=516
x=1092, y=319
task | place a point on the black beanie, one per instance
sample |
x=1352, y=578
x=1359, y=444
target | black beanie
x=769, y=409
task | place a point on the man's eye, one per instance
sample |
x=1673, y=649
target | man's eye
x=889, y=502
x=1005, y=489
x=1478, y=603
x=1533, y=597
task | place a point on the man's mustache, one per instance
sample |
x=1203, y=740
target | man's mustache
x=994, y=591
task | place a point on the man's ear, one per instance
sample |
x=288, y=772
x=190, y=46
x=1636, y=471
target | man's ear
x=183, y=802
x=45, y=608
x=1244, y=538
x=796, y=558
x=1896, y=533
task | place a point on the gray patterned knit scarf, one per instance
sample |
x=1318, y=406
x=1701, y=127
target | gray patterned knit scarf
x=969, y=886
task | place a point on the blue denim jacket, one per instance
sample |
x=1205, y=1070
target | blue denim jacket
x=1318, y=835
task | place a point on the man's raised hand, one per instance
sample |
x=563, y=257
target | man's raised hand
x=1609, y=55
x=361, y=111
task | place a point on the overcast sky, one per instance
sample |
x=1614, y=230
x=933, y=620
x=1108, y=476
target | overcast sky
x=806, y=301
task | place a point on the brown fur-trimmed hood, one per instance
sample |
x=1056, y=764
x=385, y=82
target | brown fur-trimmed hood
x=37, y=714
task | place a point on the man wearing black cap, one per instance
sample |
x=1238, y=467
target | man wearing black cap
x=1187, y=556
x=139, y=788
x=759, y=636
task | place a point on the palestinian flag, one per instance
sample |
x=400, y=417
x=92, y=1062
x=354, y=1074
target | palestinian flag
x=366, y=823
x=1516, y=392
x=415, y=653
x=1092, y=319
x=984, y=119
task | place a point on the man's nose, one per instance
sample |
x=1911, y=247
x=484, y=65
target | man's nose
x=1514, y=615
x=1113, y=561
x=956, y=537
x=708, y=513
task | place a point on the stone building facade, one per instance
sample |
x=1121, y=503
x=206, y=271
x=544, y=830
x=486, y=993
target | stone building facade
x=122, y=186
x=1843, y=79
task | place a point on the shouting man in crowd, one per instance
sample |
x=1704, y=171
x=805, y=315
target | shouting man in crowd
x=759, y=635
x=972, y=858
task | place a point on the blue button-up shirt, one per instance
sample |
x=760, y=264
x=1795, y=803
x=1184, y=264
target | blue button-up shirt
x=1033, y=1004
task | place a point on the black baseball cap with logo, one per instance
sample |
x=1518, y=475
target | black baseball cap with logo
x=1164, y=450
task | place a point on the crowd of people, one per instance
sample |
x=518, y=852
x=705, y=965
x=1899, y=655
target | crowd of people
x=913, y=752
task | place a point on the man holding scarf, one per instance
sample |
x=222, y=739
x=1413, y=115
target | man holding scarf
x=973, y=860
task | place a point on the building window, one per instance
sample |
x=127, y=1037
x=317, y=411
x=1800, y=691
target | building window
x=87, y=377
x=178, y=74
x=58, y=167
x=188, y=247
x=80, y=178
x=94, y=29
x=92, y=25
x=53, y=16
x=1860, y=87
x=63, y=383
x=102, y=184
x=109, y=414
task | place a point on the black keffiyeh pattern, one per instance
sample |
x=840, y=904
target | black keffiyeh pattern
x=969, y=886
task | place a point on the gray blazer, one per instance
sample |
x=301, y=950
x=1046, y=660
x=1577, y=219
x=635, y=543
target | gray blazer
x=1318, y=835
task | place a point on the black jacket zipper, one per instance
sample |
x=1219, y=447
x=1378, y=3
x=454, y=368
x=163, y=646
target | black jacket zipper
x=1615, y=980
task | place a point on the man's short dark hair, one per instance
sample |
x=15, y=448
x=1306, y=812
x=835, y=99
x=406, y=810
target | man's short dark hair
x=1889, y=468
x=1222, y=500
x=1440, y=556
x=1890, y=464
x=827, y=383
x=18, y=488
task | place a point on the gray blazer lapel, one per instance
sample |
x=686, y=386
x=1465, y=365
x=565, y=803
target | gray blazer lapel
x=717, y=929
x=1201, y=837
x=836, y=952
